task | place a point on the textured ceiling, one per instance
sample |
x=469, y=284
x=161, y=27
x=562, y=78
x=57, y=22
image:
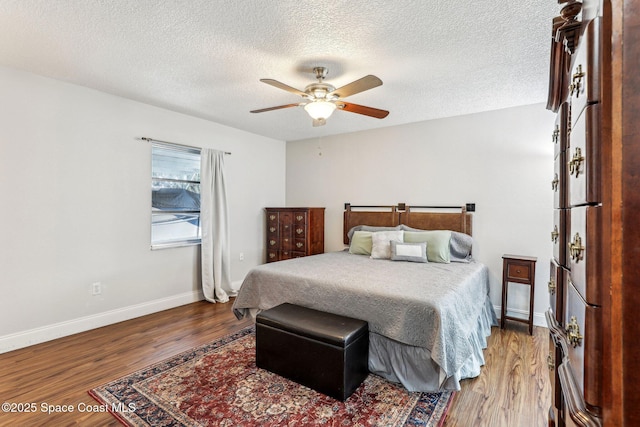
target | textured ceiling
x=437, y=58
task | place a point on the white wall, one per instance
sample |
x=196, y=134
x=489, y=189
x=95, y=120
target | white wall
x=75, y=191
x=501, y=160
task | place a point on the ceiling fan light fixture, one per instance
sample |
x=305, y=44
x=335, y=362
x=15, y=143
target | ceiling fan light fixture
x=321, y=99
x=320, y=109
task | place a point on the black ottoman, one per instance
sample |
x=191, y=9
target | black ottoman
x=323, y=351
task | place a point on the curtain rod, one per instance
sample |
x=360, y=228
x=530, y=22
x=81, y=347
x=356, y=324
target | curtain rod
x=144, y=138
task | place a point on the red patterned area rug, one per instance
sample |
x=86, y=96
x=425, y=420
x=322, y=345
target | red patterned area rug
x=218, y=384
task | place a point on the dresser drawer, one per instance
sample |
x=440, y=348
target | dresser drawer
x=300, y=218
x=555, y=288
x=299, y=231
x=286, y=221
x=584, y=79
x=273, y=226
x=273, y=243
x=584, y=350
x=551, y=364
x=584, y=252
x=287, y=243
x=290, y=254
x=561, y=223
x=559, y=182
x=554, y=358
x=583, y=157
x=573, y=403
x=300, y=245
x=552, y=287
x=559, y=135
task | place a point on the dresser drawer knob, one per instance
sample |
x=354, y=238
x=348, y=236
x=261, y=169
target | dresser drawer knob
x=552, y=286
x=272, y=229
x=299, y=245
x=576, y=248
x=576, y=161
x=272, y=255
x=555, y=182
x=555, y=234
x=272, y=242
x=573, y=332
x=556, y=135
x=550, y=363
x=300, y=217
x=272, y=217
x=299, y=230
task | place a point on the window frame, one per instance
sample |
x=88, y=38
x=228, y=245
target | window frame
x=186, y=241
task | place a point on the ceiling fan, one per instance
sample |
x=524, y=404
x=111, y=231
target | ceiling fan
x=321, y=99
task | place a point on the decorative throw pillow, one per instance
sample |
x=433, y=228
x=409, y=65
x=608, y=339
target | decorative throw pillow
x=381, y=243
x=413, y=252
x=437, y=243
x=361, y=243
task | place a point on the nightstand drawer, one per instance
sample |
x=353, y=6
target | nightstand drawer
x=518, y=271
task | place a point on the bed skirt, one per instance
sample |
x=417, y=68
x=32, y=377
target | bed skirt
x=413, y=367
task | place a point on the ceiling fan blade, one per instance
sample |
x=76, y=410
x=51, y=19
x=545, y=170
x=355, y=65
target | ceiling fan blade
x=361, y=109
x=365, y=83
x=283, y=86
x=262, y=110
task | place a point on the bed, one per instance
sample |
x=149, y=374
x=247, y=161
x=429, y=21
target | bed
x=428, y=321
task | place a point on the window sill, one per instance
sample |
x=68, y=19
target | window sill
x=167, y=245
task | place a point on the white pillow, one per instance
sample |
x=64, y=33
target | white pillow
x=412, y=252
x=381, y=243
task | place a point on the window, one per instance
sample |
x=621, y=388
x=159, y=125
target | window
x=175, y=196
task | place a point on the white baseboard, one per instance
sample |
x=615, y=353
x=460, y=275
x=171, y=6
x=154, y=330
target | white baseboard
x=538, y=318
x=57, y=330
x=236, y=285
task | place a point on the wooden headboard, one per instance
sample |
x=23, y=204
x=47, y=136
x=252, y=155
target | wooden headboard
x=455, y=218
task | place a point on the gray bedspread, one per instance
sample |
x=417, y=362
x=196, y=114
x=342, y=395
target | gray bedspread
x=433, y=306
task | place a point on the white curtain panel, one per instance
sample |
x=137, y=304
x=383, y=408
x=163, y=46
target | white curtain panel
x=214, y=221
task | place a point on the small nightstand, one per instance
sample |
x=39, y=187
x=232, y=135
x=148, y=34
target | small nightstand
x=518, y=269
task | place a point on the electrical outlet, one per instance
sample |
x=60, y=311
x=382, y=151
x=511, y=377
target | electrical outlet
x=241, y=256
x=96, y=288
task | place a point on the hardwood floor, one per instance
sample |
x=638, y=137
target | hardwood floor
x=512, y=390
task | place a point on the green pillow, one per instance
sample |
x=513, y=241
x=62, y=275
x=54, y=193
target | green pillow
x=437, y=243
x=361, y=243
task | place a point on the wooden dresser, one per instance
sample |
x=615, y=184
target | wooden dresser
x=594, y=359
x=294, y=232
